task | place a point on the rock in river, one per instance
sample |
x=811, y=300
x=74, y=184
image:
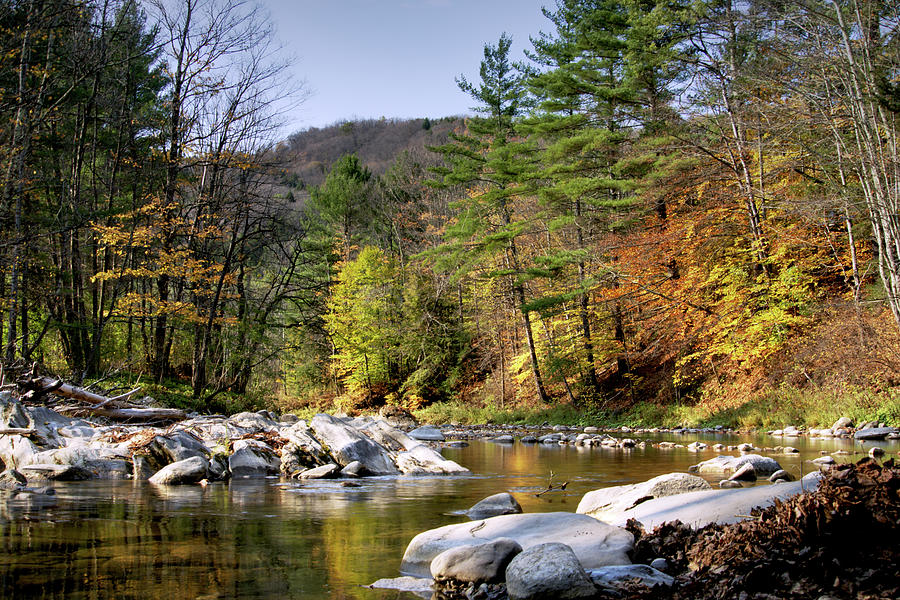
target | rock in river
x=697, y=509
x=726, y=465
x=427, y=433
x=484, y=563
x=596, y=544
x=346, y=444
x=548, y=571
x=492, y=506
x=608, y=502
x=189, y=470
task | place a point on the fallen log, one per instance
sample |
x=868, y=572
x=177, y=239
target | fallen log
x=126, y=414
x=17, y=431
x=40, y=386
x=99, y=406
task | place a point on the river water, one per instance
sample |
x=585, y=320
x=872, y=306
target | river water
x=275, y=539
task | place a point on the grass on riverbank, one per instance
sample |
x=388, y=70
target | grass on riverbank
x=770, y=410
x=775, y=408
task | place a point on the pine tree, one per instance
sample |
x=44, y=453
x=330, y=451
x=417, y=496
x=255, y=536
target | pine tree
x=492, y=162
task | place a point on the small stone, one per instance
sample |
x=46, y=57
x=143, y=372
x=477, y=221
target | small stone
x=187, y=471
x=876, y=452
x=660, y=564
x=745, y=472
x=499, y=504
x=12, y=480
x=726, y=484
x=354, y=469
x=427, y=433
x=323, y=472
x=781, y=475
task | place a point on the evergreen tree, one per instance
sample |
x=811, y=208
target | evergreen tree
x=491, y=161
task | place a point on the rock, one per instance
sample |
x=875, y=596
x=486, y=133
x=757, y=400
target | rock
x=528, y=439
x=347, y=445
x=696, y=509
x=302, y=451
x=482, y=563
x=842, y=423
x=254, y=421
x=728, y=484
x=103, y=462
x=187, y=471
x=660, y=564
x=180, y=445
x=790, y=450
x=354, y=469
x=422, y=460
x=46, y=472
x=746, y=472
x=781, y=475
x=504, y=439
x=726, y=465
x=12, y=480
x=613, y=577
x=876, y=452
x=17, y=451
x=323, y=472
x=427, y=433
x=697, y=446
x=397, y=416
x=874, y=433
x=387, y=436
x=824, y=461
x=596, y=544
x=608, y=502
x=492, y=506
x=419, y=586
x=253, y=461
x=289, y=418
x=548, y=571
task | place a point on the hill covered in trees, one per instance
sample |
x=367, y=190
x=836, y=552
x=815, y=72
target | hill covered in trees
x=309, y=154
x=676, y=211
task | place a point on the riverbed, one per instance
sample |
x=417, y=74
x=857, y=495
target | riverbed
x=272, y=538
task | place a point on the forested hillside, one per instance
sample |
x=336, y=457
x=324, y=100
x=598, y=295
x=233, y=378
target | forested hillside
x=683, y=207
x=309, y=154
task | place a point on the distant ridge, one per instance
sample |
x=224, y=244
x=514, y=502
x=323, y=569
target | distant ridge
x=310, y=153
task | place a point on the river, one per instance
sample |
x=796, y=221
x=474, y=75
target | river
x=278, y=539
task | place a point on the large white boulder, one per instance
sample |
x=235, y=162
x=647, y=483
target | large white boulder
x=606, y=503
x=187, y=471
x=726, y=465
x=422, y=460
x=346, y=445
x=596, y=544
x=697, y=509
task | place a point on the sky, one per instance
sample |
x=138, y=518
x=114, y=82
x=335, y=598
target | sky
x=394, y=58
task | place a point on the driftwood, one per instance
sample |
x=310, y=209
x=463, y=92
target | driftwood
x=115, y=407
x=551, y=487
x=17, y=431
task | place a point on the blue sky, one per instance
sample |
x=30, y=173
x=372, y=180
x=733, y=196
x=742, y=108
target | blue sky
x=394, y=58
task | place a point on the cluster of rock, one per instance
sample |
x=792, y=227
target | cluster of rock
x=44, y=445
x=574, y=555
x=843, y=428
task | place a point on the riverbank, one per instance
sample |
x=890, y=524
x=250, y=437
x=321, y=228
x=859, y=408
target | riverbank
x=772, y=409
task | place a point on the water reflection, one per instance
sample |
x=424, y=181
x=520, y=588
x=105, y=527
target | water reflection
x=315, y=539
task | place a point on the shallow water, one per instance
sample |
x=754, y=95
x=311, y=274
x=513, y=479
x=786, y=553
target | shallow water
x=278, y=539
